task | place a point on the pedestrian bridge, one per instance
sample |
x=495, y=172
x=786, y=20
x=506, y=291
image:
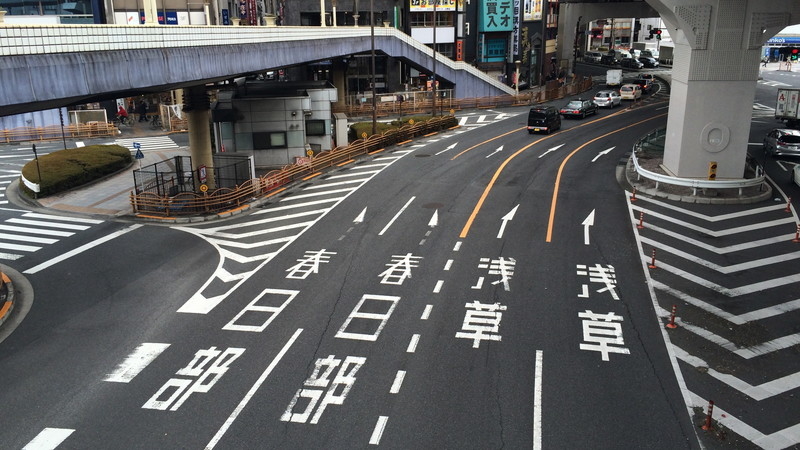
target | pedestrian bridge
x=48, y=66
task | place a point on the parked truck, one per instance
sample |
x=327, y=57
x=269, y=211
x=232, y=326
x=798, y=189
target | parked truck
x=614, y=78
x=786, y=108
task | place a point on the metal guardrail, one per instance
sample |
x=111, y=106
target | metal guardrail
x=693, y=183
x=53, y=132
x=228, y=199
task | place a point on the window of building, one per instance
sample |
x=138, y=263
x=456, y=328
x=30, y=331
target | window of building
x=425, y=19
x=494, y=50
x=315, y=128
x=269, y=139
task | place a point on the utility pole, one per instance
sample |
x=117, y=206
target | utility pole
x=372, y=53
x=433, y=81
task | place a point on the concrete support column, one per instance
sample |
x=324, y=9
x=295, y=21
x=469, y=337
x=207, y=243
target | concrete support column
x=714, y=74
x=198, y=114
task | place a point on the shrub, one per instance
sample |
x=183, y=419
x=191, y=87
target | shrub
x=358, y=128
x=68, y=169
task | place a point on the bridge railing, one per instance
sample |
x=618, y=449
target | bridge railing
x=148, y=204
x=53, y=132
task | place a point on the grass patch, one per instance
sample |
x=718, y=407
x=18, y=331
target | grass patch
x=67, y=169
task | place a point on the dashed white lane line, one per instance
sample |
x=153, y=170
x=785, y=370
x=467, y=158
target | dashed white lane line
x=48, y=439
x=412, y=345
x=398, y=382
x=375, y=439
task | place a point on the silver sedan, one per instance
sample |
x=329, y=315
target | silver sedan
x=607, y=99
x=782, y=141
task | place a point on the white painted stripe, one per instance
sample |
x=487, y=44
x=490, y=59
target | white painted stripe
x=215, y=231
x=396, y=216
x=260, y=232
x=719, y=218
x=438, y=287
x=748, y=265
x=48, y=439
x=316, y=194
x=296, y=206
x=427, y=312
x=388, y=158
x=457, y=247
x=36, y=231
x=734, y=292
x=375, y=439
x=140, y=358
x=250, y=245
x=759, y=392
x=80, y=249
x=229, y=421
x=337, y=183
x=370, y=166
x=19, y=247
x=352, y=174
x=10, y=256
x=37, y=240
x=61, y=218
x=712, y=248
x=448, y=264
x=537, y=402
x=412, y=345
x=40, y=223
x=398, y=381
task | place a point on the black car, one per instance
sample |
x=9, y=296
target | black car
x=543, y=119
x=648, y=62
x=645, y=83
x=630, y=63
x=578, y=108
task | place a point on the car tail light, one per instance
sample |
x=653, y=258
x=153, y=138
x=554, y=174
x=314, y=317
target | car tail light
x=780, y=142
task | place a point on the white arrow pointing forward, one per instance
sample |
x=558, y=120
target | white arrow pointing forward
x=505, y=220
x=551, y=150
x=360, y=217
x=499, y=149
x=434, y=219
x=587, y=222
x=452, y=146
x=604, y=152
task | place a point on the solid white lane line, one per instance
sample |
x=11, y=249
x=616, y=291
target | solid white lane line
x=48, y=439
x=537, y=402
x=396, y=216
x=144, y=354
x=252, y=391
x=398, y=382
x=80, y=249
x=412, y=345
x=375, y=439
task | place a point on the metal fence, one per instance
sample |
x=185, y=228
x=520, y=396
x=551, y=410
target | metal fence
x=232, y=170
x=165, y=178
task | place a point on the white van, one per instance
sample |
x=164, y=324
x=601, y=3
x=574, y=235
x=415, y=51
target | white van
x=618, y=55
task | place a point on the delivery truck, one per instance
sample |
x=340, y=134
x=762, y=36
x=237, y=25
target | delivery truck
x=614, y=78
x=786, y=108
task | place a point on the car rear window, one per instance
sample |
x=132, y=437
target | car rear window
x=537, y=115
x=790, y=139
x=575, y=104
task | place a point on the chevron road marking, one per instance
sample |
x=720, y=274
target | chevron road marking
x=722, y=250
x=779, y=439
x=713, y=233
x=733, y=268
x=760, y=392
x=280, y=240
x=740, y=319
x=734, y=292
x=318, y=194
x=707, y=218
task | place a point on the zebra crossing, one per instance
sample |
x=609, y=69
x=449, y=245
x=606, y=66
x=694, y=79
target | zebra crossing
x=245, y=247
x=6, y=177
x=734, y=279
x=148, y=143
x=30, y=232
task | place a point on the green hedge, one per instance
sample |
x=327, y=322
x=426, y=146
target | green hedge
x=358, y=128
x=67, y=169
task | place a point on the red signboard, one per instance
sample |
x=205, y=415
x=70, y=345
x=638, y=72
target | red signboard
x=460, y=50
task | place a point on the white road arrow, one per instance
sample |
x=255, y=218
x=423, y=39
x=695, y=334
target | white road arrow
x=551, y=150
x=505, y=220
x=434, y=219
x=360, y=217
x=499, y=149
x=452, y=146
x=604, y=152
x=587, y=222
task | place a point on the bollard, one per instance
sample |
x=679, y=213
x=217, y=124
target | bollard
x=652, y=264
x=671, y=325
x=641, y=220
x=707, y=425
x=788, y=205
x=633, y=196
x=796, y=235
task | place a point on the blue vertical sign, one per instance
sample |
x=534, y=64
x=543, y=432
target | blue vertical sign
x=226, y=17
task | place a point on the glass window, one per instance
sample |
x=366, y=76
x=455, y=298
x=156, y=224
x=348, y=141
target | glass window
x=315, y=128
x=269, y=139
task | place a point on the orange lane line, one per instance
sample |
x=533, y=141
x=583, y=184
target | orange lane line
x=430, y=134
x=405, y=142
x=345, y=163
x=313, y=175
x=376, y=151
x=554, y=201
x=277, y=191
x=487, y=141
x=5, y=308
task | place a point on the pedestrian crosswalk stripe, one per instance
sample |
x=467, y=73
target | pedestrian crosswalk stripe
x=32, y=239
x=148, y=143
x=36, y=231
x=62, y=218
x=67, y=226
x=19, y=248
x=36, y=228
